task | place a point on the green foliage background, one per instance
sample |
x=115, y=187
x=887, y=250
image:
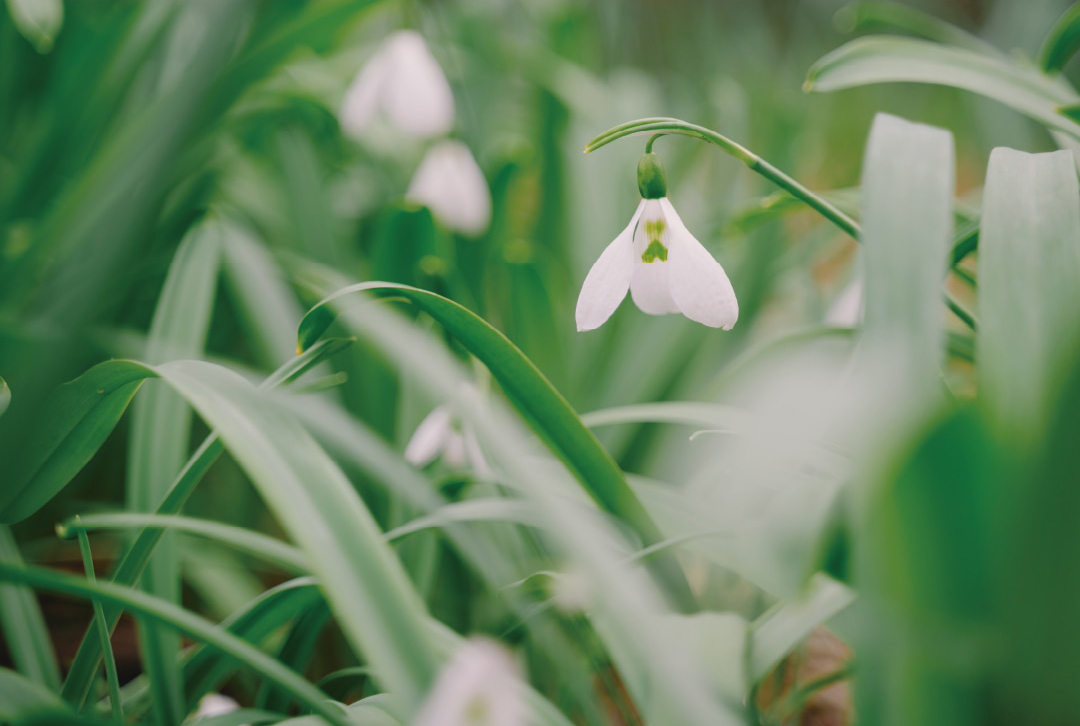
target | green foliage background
x=666, y=511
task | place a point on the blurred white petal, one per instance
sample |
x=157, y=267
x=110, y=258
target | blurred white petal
x=846, y=310
x=363, y=96
x=479, y=686
x=430, y=438
x=38, y=21
x=404, y=80
x=606, y=284
x=699, y=285
x=215, y=704
x=650, y=282
x=451, y=184
x=416, y=95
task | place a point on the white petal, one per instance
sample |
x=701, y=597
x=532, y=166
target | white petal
x=430, y=438
x=650, y=284
x=417, y=95
x=363, y=95
x=450, y=183
x=478, y=687
x=609, y=277
x=699, y=285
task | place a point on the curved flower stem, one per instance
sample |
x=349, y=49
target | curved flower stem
x=752, y=160
x=659, y=126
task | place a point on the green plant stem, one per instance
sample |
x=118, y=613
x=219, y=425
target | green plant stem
x=103, y=630
x=660, y=126
x=752, y=160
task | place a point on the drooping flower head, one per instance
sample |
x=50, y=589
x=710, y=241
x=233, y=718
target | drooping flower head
x=479, y=686
x=405, y=81
x=665, y=268
x=451, y=184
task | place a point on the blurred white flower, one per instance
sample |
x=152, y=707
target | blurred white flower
x=439, y=435
x=215, y=704
x=451, y=184
x=478, y=687
x=846, y=310
x=405, y=81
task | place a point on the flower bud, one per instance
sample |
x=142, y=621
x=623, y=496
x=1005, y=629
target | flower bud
x=651, y=181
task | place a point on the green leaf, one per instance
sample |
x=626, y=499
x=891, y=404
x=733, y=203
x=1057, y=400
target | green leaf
x=319, y=508
x=23, y=626
x=131, y=564
x=22, y=698
x=907, y=192
x=160, y=429
x=1029, y=282
x=74, y=421
x=1061, y=42
x=927, y=563
x=886, y=59
x=533, y=396
x=258, y=545
x=184, y=621
x=873, y=15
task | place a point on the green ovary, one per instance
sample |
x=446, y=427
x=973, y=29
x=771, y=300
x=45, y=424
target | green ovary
x=656, y=249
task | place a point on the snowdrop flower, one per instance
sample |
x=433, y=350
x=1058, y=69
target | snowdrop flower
x=478, y=687
x=405, y=81
x=438, y=435
x=664, y=267
x=450, y=183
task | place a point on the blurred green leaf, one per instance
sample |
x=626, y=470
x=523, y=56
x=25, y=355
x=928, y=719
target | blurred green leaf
x=907, y=192
x=1061, y=42
x=875, y=15
x=160, y=431
x=21, y=622
x=24, y=699
x=1029, y=275
x=886, y=59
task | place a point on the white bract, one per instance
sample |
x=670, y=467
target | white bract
x=665, y=269
x=450, y=183
x=405, y=81
x=438, y=435
x=478, y=687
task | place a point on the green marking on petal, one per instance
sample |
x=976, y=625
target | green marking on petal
x=654, y=228
x=654, y=251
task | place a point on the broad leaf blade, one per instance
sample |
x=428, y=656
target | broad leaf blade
x=1029, y=281
x=886, y=59
x=907, y=191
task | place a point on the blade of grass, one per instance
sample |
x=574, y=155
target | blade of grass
x=186, y=622
x=23, y=625
x=103, y=631
x=131, y=564
x=160, y=426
